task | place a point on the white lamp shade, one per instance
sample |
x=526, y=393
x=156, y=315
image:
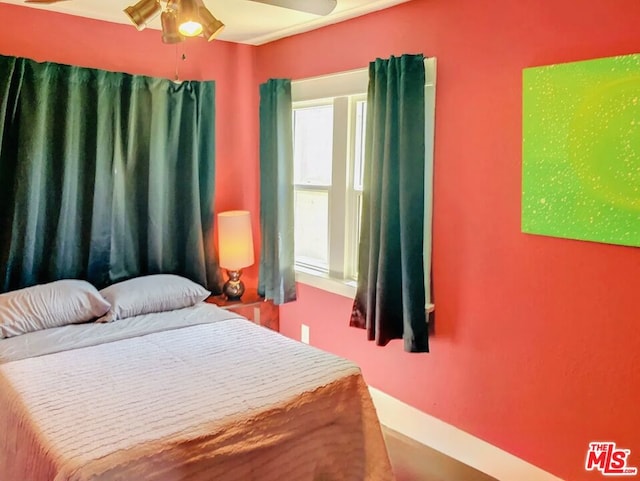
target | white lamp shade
x=235, y=239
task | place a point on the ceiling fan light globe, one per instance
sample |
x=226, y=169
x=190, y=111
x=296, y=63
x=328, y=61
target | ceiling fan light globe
x=173, y=5
x=211, y=32
x=190, y=28
x=143, y=12
x=189, y=23
x=211, y=26
x=170, y=33
x=172, y=39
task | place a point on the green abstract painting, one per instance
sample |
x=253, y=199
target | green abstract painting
x=581, y=150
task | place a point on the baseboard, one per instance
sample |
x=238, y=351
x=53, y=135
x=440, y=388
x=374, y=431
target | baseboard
x=454, y=442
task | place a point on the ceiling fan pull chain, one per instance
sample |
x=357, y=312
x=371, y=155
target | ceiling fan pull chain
x=178, y=57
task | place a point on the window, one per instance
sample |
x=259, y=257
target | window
x=328, y=169
x=329, y=121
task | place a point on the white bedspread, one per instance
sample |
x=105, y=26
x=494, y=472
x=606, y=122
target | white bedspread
x=216, y=401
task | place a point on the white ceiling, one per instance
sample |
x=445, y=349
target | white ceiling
x=246, y=21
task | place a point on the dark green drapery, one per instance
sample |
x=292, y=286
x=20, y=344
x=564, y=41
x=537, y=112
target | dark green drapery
x=103, y=175
x=390, y=299
x=277, y=276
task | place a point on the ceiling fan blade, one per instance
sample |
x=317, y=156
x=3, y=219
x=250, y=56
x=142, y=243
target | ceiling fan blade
x=317, y=7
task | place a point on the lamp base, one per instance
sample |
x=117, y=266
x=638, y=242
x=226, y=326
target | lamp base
x=234, y=287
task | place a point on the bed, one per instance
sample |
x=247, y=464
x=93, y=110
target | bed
x=187, y=394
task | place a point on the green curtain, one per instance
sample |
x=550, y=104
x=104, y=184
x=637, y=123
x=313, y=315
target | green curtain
x=276, y=279
x=104, y=175
x=390, y=298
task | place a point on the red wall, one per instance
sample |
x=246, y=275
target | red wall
x=536, y=345
x=45, y=36
x=537, y=342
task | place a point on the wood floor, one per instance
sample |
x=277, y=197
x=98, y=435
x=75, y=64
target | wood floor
x=413, y=461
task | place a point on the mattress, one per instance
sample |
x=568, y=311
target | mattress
x=194, y=394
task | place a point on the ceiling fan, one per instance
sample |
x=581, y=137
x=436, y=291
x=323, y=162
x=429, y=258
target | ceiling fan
x=191, y=18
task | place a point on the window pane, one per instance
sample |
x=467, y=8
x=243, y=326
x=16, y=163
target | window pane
x=313, y=145
x=312, y=228
x=361, y=124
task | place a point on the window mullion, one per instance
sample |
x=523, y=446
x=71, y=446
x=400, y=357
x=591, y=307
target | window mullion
x=337, y=193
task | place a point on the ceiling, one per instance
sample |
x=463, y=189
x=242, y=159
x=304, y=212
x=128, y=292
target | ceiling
x=246, y=22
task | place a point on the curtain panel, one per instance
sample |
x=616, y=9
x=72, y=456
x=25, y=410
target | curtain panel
x=104, y=175
x=390, y=298
x=276, y=278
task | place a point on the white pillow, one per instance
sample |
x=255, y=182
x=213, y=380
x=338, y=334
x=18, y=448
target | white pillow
x=55, y=304
x=154, y=293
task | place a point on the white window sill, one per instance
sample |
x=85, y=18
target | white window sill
x=335, y=286
x=326, y=283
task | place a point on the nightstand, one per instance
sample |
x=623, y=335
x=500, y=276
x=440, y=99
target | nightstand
x=252, y=306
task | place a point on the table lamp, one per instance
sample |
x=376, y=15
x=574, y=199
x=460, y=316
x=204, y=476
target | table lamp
x=235, y=244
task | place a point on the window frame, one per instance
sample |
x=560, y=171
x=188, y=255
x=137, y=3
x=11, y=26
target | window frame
x=314, y=91
x=354, y=83
x=343, y=197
